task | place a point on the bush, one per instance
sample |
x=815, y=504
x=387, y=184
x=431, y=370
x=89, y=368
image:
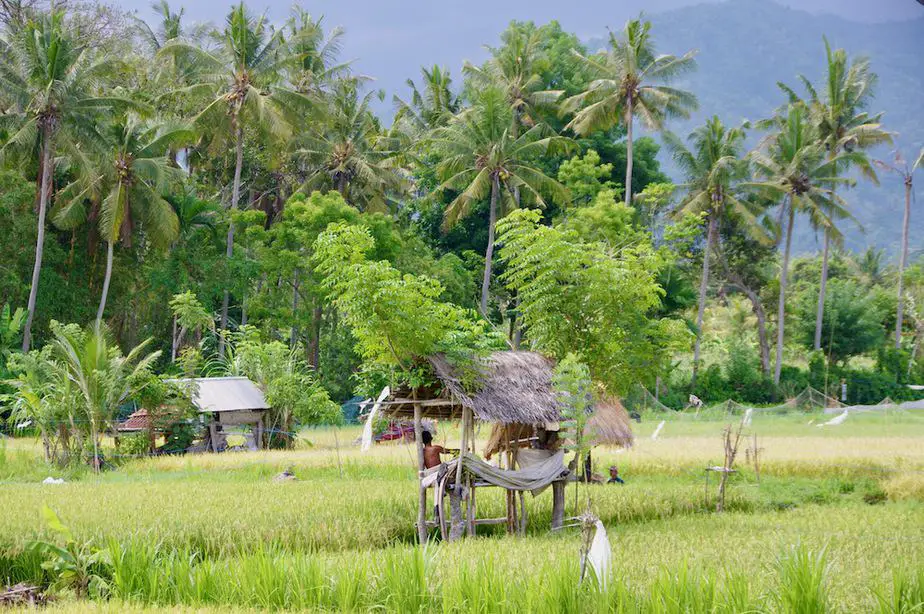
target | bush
x=135, y=444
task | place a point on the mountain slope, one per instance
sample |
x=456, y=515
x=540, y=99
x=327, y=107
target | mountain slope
x=746, y=46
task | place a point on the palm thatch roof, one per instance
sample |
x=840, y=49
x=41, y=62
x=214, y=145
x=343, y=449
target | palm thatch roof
x=512, y=388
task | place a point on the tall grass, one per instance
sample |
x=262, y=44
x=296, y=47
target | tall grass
x=803, y=576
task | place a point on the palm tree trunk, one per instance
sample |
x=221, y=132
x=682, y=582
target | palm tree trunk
x=47, y=163
x=703, y=286
x=489, y=253
x=781, y=311
x=229, y=246
x=820, y=310
x=629, y=152
x=106, y=279
x=902, y=260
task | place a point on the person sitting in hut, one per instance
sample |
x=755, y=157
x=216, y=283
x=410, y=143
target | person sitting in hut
x=614, y=476
x=431, y=452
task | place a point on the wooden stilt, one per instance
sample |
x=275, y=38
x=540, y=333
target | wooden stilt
x=558, y=504
x=455, y=513
x=422, y=504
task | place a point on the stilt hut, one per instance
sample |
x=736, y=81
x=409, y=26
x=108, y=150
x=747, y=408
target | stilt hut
x=514, y=393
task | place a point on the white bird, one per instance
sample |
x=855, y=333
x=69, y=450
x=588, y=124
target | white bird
x=658, y=430
x=836, y=419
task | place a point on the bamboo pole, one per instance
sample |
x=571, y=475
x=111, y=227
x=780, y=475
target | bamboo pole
x=422, y=503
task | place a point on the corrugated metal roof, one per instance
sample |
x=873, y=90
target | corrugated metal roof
x=227, y=394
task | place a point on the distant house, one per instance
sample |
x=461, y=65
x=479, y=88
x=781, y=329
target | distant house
x=229, y=402
x=136, y=422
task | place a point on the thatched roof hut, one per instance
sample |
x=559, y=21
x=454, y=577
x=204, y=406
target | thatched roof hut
x=513, y=388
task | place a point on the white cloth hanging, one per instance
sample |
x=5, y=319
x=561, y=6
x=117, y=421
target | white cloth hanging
x=658, y=430
x=367, y=427
x=599, y=556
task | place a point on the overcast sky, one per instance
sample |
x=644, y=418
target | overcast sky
x=391, y=39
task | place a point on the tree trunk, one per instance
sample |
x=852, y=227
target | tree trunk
x=489, y=253
x=229, y=246
x=47, y=164
x=703, y=286
x=293, y=334
x=820, y=310
x=342, y=185
x=315, y=343
x=902, y=261
x=173, y=343
x=781, y=311
x=629, y=152
x=106, y=279
x=758, y=309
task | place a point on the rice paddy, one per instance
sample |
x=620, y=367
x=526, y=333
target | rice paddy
x=835, y=522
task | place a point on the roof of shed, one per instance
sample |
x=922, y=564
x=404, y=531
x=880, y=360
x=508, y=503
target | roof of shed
x=211, y=394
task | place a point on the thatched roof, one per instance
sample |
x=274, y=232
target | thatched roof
x=512, y=388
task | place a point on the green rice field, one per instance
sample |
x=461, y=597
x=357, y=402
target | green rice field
x=835, y=523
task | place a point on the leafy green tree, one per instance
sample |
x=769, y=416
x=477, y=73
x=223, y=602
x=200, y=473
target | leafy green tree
x=130, y=181
x=397, y=319
x=794, y=168
x=290, y=388
x=580, y=297
x=188, y=316
x=843, y=124
x=585, y=176
x=480, y=158
x=49, y=85
x=628, y=80
x=852, y=324
x=243, y=77
x=712, y=168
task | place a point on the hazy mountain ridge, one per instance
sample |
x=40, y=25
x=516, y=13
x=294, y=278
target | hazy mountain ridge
x=746, y=46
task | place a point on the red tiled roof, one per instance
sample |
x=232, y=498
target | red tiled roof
x=138, y=421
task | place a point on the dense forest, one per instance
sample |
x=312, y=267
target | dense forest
x=187, y=199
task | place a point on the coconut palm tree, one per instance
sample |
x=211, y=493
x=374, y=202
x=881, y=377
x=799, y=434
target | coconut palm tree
x=314, y=53
x=170, y=27
x=102, y=376
x=480, y=158
x=838, y=108
x=514, y=69
x=49, y=83
x=712, y=167
x=347, y=153
x=629, y=80
x=906, y=172
x=431, y=106
x=794, y=169
x=129, y=181
x=244, y=80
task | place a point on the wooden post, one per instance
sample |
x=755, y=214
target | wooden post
x=455, y=514
x=558, y=503
x=422, y=503
x=213, y=435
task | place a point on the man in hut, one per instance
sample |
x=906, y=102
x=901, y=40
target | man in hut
x=431, y=452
